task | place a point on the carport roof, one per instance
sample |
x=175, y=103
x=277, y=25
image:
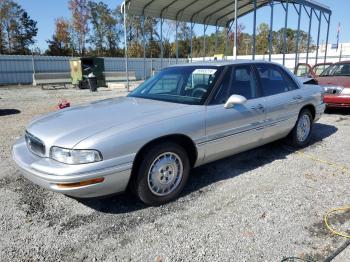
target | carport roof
x=210, y=12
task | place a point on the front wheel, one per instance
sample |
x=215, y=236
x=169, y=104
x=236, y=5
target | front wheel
x=301, y=133
x=162, y=174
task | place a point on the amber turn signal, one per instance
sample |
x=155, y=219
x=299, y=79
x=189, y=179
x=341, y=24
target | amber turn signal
x=82, y=183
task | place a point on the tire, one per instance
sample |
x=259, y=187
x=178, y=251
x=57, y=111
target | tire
x=301, y=133
x=171, y=167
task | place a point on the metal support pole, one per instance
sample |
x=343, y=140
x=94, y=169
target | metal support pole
x=191, y=40
x=285, y=32
x=126, y=48
x=328, y=22
x=319, y=18
x=177, y=41
x=271, y=30
x=204, y=41
x=298, y=36
x=236, y=33
x=309, y=36
x=254, y=31
x=144, y=46
x=226, y=41
x=161, y=43
x=228, y=28
x=216, y=36
x=33, y=62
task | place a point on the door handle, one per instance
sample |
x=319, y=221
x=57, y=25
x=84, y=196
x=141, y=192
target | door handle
x=298, y=97
x=259, y=107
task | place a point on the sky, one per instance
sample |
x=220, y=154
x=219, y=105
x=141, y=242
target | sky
x=46, y=11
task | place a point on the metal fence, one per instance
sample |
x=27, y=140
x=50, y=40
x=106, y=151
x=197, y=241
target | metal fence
x=20, y=69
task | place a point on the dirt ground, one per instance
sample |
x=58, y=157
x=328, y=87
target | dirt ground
x=262, y=205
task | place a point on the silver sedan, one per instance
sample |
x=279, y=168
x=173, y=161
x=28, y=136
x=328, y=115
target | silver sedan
x=184, y=117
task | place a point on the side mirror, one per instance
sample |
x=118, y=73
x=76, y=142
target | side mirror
x=235, y=100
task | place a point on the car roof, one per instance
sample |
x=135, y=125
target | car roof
x=343, y=62
x=222, y=63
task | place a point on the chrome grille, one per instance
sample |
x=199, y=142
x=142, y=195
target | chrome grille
x=34, y=144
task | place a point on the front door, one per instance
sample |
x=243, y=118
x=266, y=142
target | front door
x=239, y=128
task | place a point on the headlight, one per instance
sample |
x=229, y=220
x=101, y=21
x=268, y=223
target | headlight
x=346, y=91
x=333, y=89
x=75, y=156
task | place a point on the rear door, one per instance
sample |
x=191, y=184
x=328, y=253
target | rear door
x=233, y=130
x=283, y=100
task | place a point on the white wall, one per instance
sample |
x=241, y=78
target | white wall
x=333, y=55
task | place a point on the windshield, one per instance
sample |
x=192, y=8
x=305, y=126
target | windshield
x=337, y=70
x=184, y=84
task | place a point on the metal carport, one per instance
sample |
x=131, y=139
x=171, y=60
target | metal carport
x=224, y=13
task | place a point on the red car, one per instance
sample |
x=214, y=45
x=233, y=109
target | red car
x=336, y=82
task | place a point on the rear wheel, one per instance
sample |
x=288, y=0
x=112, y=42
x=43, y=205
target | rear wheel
x=301, y=133
x=162, y=174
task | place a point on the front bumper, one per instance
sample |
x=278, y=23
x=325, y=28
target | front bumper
x=116, y=178
x=337, y=100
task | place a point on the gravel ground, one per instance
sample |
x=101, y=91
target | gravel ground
x=262, y=205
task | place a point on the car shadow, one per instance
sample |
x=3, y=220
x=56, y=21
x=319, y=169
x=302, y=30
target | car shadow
x=211, y=173
x=338, y=111
x=6, y=112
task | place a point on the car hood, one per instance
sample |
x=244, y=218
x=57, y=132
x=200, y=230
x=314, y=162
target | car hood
x=343, y=81
x=68, y=127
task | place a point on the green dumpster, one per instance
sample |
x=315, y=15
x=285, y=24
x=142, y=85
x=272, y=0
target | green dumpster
x=82, y=67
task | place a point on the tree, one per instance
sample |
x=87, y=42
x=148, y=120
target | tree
x=114, y=24
x=80, y=19
x=104, y=21
x=27, y=31
x=262, y=39
x=184, y=36
x=142, y=32
x=17, y=29
x=98, y=13
x=60, y=43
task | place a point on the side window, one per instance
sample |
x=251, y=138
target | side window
x=243, y=82
x=273, y=81
x=290, y=82
x=238, y=81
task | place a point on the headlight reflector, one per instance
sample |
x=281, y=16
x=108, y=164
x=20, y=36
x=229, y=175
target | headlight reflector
x=75, y=156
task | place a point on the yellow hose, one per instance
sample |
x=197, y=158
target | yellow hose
x=339, y=168
x=329, y=226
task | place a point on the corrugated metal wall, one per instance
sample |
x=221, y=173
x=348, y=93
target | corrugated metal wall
x=19, y=69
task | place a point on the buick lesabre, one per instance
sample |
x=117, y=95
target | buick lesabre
x=184, y=117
